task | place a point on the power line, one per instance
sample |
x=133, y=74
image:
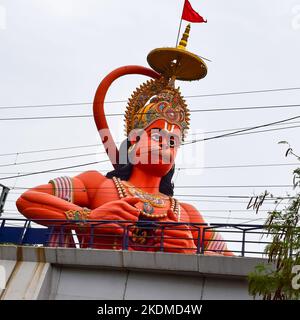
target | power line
x=51, y=149
x=51, y=159
x=97, y=145
x=121, y=114
x=47, y=117
x=244, y=92
x=250, y=128
x=234, y=196
x=245, y=108
x=83, y=155
x=260, y=131
x=202, y=201
x=99, y=153
x=124, y=101
x=241, y=131
x=243, y=166
x=218, y=201
x=230, y=196
x=52, y=170
x=179, y=187
x=230, y=129
x=234, y=133
x=251, y=220
x=205, y=216
x=179, y=168
x=197, y=200
x=237, y=211
x=199, y=197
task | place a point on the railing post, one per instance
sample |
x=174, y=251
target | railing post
x=3, y=223
x=203, y=241
x=243, y=243
x=91, y=244
x=198, y=242
x=125, y=238
x=61, y=236
x=162, y=238
x=48, y=242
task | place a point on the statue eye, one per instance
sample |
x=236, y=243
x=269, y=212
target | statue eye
x=173, y=142
x=156, y=137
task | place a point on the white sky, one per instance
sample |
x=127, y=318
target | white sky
x=57, y=51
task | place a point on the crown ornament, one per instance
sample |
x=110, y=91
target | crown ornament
x=159, y=99
x=165, y=102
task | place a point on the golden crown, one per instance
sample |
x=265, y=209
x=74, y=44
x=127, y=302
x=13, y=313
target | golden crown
x=165, y=102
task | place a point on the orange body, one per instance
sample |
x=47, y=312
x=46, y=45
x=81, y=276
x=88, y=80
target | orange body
x=101, y=196
x=98, y=193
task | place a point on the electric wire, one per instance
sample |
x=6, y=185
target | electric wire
x=121, y=114
x=124, y=101
x=97, y=145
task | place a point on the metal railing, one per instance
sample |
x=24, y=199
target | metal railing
x=241, y=239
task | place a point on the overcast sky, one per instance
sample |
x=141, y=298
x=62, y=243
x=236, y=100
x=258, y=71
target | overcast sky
x=57, y=51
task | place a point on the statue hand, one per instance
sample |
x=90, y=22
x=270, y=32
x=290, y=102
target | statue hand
x=172, y=217
x=176, y=238
x=119, y=210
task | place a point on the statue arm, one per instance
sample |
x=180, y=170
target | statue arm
x=213, y=240
x=47, y=202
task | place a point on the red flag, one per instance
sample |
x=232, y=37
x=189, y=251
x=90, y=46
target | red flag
x=189, y=14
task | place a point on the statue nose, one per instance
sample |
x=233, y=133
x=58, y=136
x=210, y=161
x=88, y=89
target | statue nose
x=162, y=143
x=164, y=146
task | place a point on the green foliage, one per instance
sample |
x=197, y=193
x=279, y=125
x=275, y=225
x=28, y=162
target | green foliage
x=273, y=281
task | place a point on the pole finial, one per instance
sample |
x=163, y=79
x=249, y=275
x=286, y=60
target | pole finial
x=178, y=63
x=184, y=39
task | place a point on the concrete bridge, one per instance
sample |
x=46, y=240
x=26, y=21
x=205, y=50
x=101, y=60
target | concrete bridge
x=33, y=272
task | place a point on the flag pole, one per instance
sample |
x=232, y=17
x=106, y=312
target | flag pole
x=180, y=25
x=178, y=32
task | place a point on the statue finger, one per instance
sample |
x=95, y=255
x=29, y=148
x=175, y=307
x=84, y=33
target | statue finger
x=131, y=200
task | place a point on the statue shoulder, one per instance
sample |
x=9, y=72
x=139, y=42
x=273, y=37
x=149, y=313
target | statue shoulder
x=87, y=184
x=192, y=212
x=91, y=178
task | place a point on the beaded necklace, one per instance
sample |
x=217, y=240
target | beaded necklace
x=148, y=199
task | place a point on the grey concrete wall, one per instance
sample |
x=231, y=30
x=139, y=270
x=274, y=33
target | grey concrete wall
x=67, y=273
x=23, y=279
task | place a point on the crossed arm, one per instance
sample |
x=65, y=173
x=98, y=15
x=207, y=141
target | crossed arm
x=42, y=203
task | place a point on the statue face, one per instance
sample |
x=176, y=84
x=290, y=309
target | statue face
x=156, y=147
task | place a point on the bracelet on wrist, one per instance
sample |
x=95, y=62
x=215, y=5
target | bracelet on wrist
x=78, y=215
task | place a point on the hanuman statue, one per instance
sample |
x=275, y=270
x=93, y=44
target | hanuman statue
x=137, y=196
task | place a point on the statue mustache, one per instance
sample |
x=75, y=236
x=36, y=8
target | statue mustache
x=145, y=150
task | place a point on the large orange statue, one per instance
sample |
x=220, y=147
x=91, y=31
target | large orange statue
x=138, y=194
